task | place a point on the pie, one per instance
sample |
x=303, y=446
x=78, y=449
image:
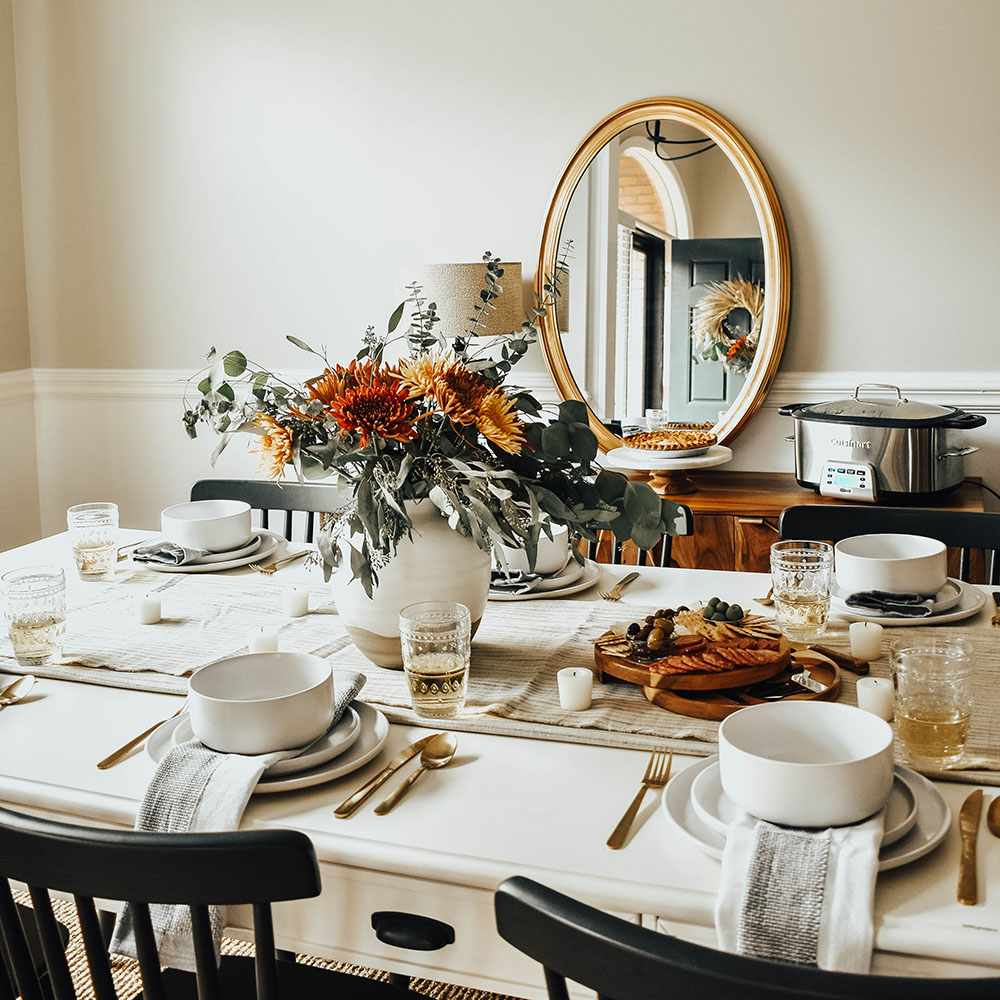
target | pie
x=670, y=439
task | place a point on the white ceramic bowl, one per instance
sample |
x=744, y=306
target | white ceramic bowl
x=216, y=525
x=261, y=702
x=900, y=564
x=552, y=552
x=806, y=763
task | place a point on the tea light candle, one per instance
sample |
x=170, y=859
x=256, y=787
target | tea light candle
x=875, y=696
x=147, y=609
x=296, y=601
x=866, y=640
x=263, y=639
x=575, y=684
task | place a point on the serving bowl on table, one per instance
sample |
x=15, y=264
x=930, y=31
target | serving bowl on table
x=898, y=564
x=550, y=557
x=215, y=525
x=806, y=763
x=261, y=702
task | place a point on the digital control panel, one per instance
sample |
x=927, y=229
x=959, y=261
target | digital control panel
x=850, y=481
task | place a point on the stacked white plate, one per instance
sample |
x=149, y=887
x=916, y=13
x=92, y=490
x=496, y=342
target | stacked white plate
x=351, y=743
x=261, y=545
x=571, y=579
x=955, y=601
x=916, y=815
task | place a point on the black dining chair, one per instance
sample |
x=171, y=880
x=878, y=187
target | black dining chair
x=621, y=960
x=256, y=867
x=608, y=549
x=965, y=530
x=265, y=497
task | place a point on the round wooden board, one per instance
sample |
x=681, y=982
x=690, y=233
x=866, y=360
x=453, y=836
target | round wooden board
x=718, y=704
x=636, y=672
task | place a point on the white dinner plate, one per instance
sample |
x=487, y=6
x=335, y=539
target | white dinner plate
x=333, y=742
x=970, y=603
x=944, y=600
x=371, y=739
x=590, y=575
x=931, y=826
x=717, y=810
x=570, y=573
x=269, y=541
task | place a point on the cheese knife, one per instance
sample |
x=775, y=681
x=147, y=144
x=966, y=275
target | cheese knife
x=968, y=825
x=407, y=753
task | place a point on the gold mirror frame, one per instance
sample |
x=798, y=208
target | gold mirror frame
x=777, y=262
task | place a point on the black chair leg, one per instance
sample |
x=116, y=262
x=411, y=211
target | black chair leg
x=398, y=979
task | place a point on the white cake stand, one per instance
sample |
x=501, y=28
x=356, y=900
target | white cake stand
x=669, y=475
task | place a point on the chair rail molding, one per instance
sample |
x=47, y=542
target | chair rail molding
x=17, y=387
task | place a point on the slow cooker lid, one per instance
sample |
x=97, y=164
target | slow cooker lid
x=896, y=411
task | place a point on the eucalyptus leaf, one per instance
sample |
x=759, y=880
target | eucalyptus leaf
x=642, y=503
x=234, y=364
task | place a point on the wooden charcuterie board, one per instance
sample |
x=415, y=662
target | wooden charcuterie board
x=717, y=704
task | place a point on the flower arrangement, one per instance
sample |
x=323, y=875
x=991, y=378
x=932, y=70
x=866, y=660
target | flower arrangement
x=712, y=334
x=440, y=423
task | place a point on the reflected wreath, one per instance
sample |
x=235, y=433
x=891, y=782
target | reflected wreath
x=710, y=327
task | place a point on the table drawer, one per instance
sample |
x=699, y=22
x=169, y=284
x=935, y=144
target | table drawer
x=342, y=914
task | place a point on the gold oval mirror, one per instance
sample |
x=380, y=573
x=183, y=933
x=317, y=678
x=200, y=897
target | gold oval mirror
x=669, y=249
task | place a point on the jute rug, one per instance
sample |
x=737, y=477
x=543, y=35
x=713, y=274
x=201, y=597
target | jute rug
x=126, y=971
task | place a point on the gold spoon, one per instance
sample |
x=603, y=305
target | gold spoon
x=766, y=601
x=993, y=816
x=437, y=753
x=17, y=690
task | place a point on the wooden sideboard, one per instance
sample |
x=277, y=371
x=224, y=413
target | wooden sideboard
x=736, y=518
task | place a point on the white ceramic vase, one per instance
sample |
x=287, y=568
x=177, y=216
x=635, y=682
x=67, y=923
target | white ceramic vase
x=436, y=564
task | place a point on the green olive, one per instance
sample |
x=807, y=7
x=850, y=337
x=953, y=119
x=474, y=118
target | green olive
x=665, y=623
x=718, y=617
x=735, y=613
x=712, y=602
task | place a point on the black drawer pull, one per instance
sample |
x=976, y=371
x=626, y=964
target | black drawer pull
x=411, y=930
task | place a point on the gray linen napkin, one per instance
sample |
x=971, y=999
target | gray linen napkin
x=514, y=583
x=195, y=790
x=167, y=554
x=891, y=605
x=803, y=896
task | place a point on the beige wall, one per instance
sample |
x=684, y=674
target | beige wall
x=14, y=344
x=228, y=171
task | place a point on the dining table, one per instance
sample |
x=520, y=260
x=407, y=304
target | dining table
x=518, y=798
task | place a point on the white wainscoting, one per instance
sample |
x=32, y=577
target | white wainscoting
x=19, y=520
x=117, y=434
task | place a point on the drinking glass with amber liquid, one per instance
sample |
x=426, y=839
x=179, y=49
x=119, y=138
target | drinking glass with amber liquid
x=34, y=607
x=93, y=535
x=932, y=680
x=436, y=639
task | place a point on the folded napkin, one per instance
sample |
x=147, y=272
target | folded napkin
x=194, y=790
x=167, y=554
x=513, y=583
x=891, y=605
x=803, y=896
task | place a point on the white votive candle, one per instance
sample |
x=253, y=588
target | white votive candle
x=147, y=609
x=296, y=601
x=575, y=684
x=263, y=639
x=866, y=640
x=875, y=696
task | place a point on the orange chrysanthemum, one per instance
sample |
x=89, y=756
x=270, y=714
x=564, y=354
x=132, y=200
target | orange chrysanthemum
x=274, y=446
x=374, y=404
x=460, y=393
x=737, y=346
x=330, y=384
x=498, y=422
x=421, y=374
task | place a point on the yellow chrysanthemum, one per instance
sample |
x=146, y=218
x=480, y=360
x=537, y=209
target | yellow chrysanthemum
x=274, y=446
x=498, y=422
x=420, y=375
x=460, y=394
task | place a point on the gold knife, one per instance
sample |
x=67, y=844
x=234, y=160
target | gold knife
x=968, y=825
x=407, y=753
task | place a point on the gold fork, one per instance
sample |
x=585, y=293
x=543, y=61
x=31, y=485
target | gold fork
x=269, y=569
x=656, y=776
x=615, y=593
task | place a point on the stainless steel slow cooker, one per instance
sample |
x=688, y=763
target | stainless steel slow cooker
x=866, y=448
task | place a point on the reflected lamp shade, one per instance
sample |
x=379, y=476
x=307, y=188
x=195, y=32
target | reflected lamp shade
x=455, y=288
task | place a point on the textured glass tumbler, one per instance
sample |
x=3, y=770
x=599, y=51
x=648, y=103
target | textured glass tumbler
x=93, y=535
x=932, y=682
x=800, y=577
x=436, y=640
x=34, y=607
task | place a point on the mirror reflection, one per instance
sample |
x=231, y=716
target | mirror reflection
x=663, y=300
